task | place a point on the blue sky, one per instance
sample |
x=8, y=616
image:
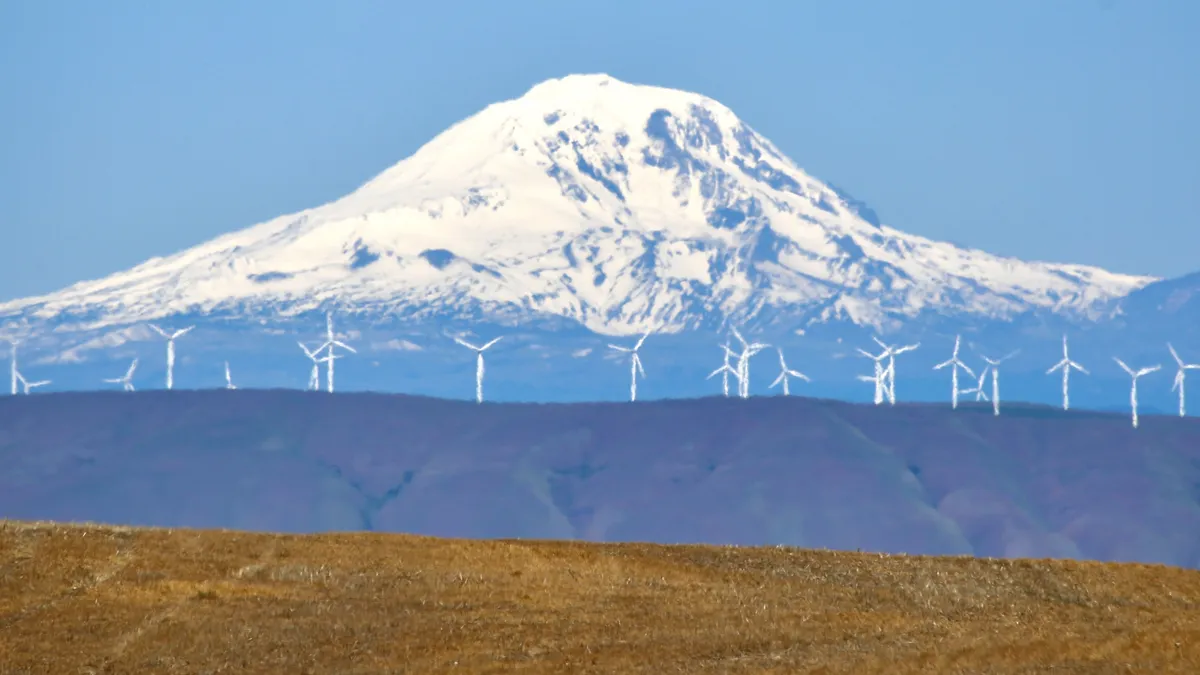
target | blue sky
x=1047, y=129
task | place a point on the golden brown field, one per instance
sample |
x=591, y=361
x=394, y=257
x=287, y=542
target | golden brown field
x=90, y=599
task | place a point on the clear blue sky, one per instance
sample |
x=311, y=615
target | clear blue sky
x=1050, y=129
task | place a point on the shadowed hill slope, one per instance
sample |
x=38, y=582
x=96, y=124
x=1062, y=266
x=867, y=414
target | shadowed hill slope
x=76, y=599
x=921, y=479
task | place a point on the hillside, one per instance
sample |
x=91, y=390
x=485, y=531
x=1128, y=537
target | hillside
x=916, y=479
x=77, y=599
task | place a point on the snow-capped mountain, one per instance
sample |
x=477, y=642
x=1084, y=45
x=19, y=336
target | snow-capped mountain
x=622, y=207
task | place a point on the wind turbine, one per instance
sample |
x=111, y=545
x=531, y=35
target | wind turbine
x=478, y=363
x=892, y=352
x=1067, y=364
x=171, y=337
x=980, y=394
x=726, y=370
x=994, y=364
x=228, y=380
x=1135, y=374
x=954, y=364
x=784, y=372
x=749, y=349
x=331, y=341
x=30, y=385
x=314, y=379
x=1179, y=376
x=880, y=373
x=126, y=381
x=635, y=365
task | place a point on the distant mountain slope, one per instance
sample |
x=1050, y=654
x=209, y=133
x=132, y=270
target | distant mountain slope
x=1174, y=302
x=618, y=206
x=918, y=479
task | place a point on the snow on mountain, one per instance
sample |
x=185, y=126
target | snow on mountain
x=621, y=206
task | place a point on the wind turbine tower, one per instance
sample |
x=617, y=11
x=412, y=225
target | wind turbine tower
x=228, y=380
x=1066, y=365
x=331, y=341
x=478, y=363
x=314, y=378
x=1135, y=374
x=170, y=338
x=994, y=365
x=880, y=373
x=955, y=364
x=126, y=381
x=1179, y=377
x=892, y=352
x=784, y=373
x=749, y=349
x=13, y=365
x=635, y=365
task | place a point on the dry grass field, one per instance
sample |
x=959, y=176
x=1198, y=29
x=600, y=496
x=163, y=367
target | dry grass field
x=80, y=599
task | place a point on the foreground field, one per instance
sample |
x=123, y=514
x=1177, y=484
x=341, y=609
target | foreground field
x=92, y=599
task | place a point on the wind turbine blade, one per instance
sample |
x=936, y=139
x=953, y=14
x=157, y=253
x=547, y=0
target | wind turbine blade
x=776, y=382
x=159, y=331
x=345, y=346
x=491, y=343
x=1078, y=367
x=943, y=364
x=1175, y=355
x=620, y=349
x=466, y=344
x=132, y=367
x=180, y=333
x=880, y=343
x=1123, y=366
x=640, y=341
x=1061, y=364
x=716, y=372
x=966, y=368
x=638, y=362
x=865, y=353
x=737, y=334
x=796, y=373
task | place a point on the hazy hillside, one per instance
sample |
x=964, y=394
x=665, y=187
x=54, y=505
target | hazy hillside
x=916, y=479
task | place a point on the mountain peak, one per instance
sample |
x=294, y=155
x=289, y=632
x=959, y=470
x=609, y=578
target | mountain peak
x=592, y=91
x=623, y=207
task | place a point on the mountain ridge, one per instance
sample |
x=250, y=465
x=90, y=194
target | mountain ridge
x=1034, y=482
x=620, y=207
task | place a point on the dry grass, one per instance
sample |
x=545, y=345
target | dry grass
x=91, y=599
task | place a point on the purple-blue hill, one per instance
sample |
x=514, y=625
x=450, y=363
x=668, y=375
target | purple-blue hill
x=914, y=478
